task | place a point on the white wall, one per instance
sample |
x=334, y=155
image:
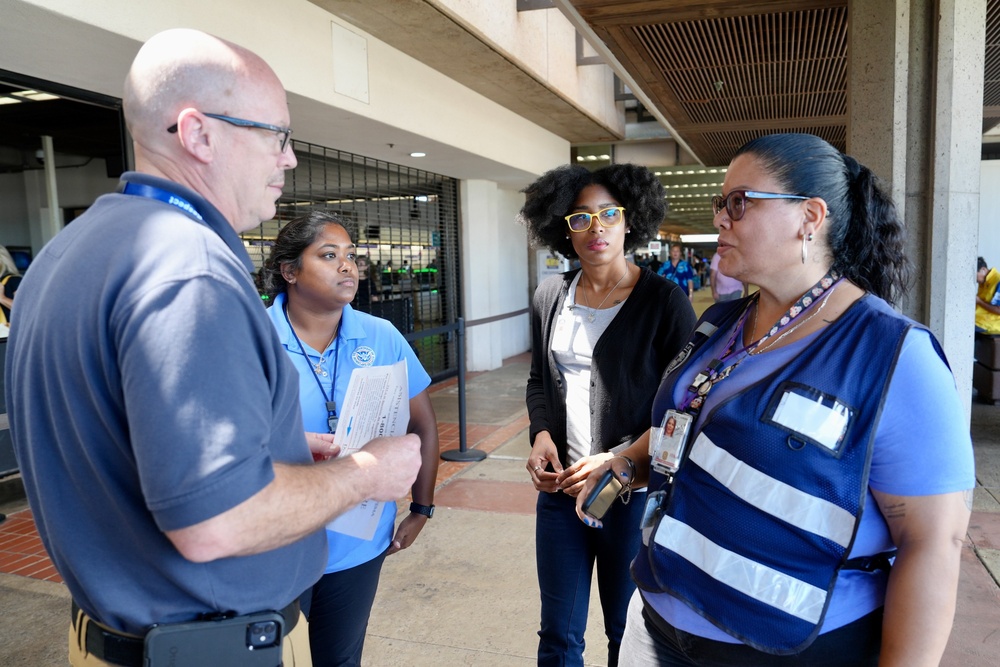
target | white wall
x=495, y=266
x=543, y=42
x=14, y=229
x=989, y=212
x=515, y=334
x=25, y=202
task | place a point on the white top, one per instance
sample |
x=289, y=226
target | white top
x=573, y=344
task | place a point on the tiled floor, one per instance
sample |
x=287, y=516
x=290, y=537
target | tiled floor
x=21, y=550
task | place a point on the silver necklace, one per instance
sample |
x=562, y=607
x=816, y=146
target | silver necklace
x=592, y=315
x=318, y=366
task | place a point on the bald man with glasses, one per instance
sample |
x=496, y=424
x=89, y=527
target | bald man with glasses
x=153, y=410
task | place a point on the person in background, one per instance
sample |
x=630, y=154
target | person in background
x=10, y=279
x=678, y=270
x=165, y=463
x=816, y=512
x=368, y=285
x=312, y=277
x=987, y=298
x=724, y=288
x=601, y=337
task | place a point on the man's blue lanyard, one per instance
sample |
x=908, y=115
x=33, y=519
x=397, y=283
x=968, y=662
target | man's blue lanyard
x=151, y=192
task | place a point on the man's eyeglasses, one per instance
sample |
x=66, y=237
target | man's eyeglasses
x=284, y=133
x=608, y=217
x=735, y=202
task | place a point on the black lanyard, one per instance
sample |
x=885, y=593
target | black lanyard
x=331, y=400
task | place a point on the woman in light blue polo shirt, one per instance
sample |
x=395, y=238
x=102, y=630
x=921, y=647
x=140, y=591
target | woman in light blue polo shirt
x=310, y=279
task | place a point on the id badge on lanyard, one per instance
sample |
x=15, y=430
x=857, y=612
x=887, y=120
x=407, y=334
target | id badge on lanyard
x=669, y=441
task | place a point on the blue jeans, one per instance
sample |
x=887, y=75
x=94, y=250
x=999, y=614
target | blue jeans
x=652, y=642
x=565, y=551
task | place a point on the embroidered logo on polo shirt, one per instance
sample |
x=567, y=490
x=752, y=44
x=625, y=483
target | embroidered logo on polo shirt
x=364, y=356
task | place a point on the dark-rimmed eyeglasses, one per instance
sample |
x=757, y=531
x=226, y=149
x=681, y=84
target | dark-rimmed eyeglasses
x=607, y=217
x=735, y=202
x=285, y=133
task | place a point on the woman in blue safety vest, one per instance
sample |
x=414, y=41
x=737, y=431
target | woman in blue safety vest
x=810, y=503
x=310, y=279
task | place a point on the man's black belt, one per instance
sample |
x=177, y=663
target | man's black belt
x=127, y=650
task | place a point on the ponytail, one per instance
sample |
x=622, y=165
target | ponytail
x=868, y=248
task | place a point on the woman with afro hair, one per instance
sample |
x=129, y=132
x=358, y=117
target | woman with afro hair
x=602, y=336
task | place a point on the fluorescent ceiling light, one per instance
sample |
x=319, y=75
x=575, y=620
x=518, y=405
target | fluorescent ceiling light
x=35, y=95
x=699, y=238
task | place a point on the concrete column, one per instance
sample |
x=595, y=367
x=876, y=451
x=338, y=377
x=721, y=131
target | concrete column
x=915, y=118
x=51, y=223
x=889, y=117
x=879, y=37
x=958, y=126
x=480, y=273
x=919, y=178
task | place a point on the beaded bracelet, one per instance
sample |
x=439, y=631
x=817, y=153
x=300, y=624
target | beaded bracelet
x=626, y=493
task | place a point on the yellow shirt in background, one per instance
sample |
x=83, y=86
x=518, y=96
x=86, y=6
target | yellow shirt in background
x=984, y=318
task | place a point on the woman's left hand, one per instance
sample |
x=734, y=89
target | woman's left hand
x=572, y=479
x=321, y=445
x=407, y=532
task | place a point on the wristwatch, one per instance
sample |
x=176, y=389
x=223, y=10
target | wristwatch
x=426, y=510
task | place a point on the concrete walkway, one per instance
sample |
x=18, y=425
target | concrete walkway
x=465, y=593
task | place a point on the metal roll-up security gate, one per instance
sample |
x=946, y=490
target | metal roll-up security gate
x=404, y=222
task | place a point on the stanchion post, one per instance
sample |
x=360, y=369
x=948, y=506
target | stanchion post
x=462, y=453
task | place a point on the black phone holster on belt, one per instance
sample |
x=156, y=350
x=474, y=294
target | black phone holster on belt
x=248, y=638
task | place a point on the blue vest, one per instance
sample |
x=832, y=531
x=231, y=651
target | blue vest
x=766, y=505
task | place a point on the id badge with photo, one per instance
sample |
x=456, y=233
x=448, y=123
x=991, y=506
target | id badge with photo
x=670, y=440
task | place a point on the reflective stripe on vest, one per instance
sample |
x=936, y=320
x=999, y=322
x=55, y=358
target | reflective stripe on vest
x=773, y=496
x=758, y=581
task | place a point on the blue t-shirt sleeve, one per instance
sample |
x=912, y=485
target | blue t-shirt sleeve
x=198, y=399
x=923, y=446
x=417, y=377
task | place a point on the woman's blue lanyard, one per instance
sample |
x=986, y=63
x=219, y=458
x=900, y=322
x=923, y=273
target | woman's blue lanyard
x=719, y=369
x=331, y=400
x=140, y=190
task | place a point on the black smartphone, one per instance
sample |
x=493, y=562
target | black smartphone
x=253, y=640
x=601, y=496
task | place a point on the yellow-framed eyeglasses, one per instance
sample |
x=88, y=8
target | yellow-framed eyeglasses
x=607, y=217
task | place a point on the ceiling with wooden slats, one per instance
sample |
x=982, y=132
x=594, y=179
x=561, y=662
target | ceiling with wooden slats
x=726, y=72
x=991, y=84
x=723, y=72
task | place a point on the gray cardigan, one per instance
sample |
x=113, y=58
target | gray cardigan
x=652, y=326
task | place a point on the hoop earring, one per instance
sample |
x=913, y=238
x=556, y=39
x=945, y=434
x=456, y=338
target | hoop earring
x=805, y=250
